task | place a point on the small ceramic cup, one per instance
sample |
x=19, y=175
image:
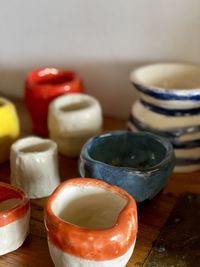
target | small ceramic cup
x=9, y=128
x=169, y=106
x=34, y=166
x=14, y=218
x=90, y=224
x=140, y=163
x=72, y=120
x=42, y=86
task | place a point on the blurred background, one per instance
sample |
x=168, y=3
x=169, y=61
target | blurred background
x=103, y=40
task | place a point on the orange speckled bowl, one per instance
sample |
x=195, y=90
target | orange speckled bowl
x=90, y=223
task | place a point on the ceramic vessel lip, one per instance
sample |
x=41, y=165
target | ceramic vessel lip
x=21, y=144
x=139, y=82
x=9, y=215
x=126, y=223
x=4, y=102
x=67, y=100
x=44, y=78
x=164, y=142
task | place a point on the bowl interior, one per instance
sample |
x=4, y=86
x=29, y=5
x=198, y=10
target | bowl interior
x=168, y=75
x=139, y=151
x=9, y=199
x=88, y=206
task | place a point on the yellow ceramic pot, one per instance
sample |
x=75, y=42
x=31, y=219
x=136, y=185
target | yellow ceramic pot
x=9, y=127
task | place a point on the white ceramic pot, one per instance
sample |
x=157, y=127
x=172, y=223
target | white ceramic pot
x=72, y=120
x=34, y=166
x=90, y=224
x=14, y=218
x=169, y=106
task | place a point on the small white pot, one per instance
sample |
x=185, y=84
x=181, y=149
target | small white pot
x=72, y=120
x=34, y=166
x=14, y=218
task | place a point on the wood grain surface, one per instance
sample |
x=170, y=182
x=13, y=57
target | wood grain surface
x=152, y=214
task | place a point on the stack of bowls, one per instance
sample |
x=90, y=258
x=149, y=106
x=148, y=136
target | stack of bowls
x=169, y=106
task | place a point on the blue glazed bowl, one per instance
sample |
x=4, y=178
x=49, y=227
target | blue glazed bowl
x=140, y=163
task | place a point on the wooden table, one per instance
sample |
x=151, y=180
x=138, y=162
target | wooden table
x=152, y=214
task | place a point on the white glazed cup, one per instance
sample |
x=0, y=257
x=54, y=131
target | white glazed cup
x=34, y=166
x=14, y=218
x=72, y=120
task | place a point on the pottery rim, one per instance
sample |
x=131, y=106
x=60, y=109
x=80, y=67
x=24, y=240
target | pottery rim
x=9, y=215
x=38, y=77
x=44, y=145
x=143, y=71
x=163, y=141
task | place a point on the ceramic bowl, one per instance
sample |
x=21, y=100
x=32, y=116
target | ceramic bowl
x=169, y=106
x=14, y=218
x=9, y=127
x=140, y=163
x=41, y=87
x=72, y=120
x=90, y=224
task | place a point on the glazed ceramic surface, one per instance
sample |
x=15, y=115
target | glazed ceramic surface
x=72, y=120
x=140, y=163
x=44, y=85
x=34, y=166
x=169, y=105
x=99, y=222
x=14, y=218
x=9, y=127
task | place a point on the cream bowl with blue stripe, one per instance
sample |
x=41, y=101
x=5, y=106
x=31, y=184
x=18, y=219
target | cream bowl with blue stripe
x=169, y=105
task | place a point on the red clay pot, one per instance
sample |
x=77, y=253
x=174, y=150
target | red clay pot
x=41, y=87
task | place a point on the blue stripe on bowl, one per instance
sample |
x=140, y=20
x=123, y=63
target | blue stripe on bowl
x=188, y=144
x=187, y=161
x=169, y=94
x=171, y=134
x=171, y=112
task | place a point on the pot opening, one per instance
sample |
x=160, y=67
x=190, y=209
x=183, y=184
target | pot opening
x=135, y=151
x=10, y=204
x=2, y=103
x=54, y=77
x=35, y=148
x=83, y=104
x=169, y=76
x=9, y=198
x=89, y=206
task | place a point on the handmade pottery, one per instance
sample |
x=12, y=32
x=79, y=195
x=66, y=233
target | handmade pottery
x=90, y=224
x=169, y=105
x=9, y=127
x=42, y=86
x=34, y=166
x=140, y=163
x=72, y=120
x=14, y=218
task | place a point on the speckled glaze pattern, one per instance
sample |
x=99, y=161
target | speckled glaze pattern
x=75, y=243
x=169, y=105
x=14, y=219
x=140, y=163
x=41, y=87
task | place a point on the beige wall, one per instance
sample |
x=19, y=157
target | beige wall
x=101, y=39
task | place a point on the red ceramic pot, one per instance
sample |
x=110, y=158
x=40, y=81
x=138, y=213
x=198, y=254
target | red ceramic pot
x=42, y=86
